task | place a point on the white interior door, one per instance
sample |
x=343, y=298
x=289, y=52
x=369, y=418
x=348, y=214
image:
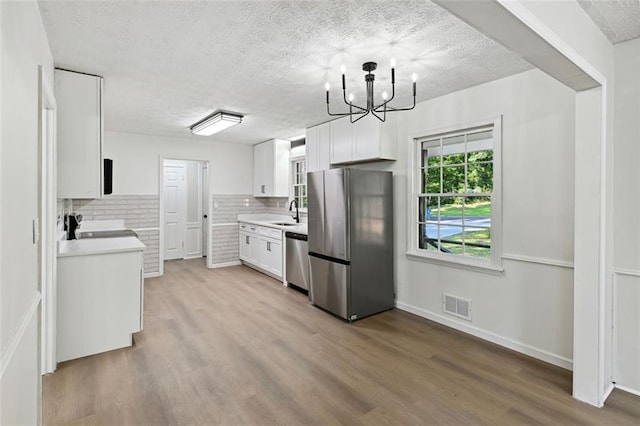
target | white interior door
x=174, y=211
x=193, y=235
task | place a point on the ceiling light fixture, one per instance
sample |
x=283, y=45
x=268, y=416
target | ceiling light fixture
x=215, y=123
x=382, y=108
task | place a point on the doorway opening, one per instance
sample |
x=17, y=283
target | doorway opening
x=185, y=208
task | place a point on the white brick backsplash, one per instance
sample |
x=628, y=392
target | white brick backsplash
x=138, y=211
x=224, y=239
x=143, y=211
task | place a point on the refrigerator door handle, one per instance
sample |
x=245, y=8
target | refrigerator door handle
x=329, y=258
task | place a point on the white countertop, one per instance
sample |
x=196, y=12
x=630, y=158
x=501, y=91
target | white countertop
x=269, y=221
x=98, y=246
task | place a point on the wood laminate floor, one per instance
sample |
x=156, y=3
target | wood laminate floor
x=233, y=346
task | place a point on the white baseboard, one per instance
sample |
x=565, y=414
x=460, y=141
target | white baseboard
x=152, y=274
x=491, y=337
x=607, y=392
x=626, y=389
x=225, y=264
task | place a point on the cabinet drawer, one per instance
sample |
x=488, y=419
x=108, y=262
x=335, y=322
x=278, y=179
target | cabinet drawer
x=275, y=234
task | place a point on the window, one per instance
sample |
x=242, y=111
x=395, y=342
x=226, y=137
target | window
x=457, y=194
x=299, y=182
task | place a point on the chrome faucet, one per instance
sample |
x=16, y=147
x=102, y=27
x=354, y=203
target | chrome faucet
x=297, y=216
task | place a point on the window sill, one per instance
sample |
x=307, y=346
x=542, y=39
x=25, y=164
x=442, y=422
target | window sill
x=458, y=263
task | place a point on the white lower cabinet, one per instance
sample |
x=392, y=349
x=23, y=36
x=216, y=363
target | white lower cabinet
x=261, y=248
x=99, y=302
x=249, y=249
x=271, y=255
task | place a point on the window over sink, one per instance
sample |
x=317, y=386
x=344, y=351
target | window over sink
x=298, y=189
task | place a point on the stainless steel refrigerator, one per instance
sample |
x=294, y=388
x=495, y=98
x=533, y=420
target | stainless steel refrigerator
x=350, y=215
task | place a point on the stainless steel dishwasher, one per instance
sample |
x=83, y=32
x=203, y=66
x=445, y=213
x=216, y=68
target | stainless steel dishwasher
x=297, y=250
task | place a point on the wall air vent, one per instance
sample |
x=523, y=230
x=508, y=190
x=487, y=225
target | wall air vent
x=457, y=306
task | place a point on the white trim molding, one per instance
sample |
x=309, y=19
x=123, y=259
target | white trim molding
x=628, y=272
x=488, y=336
x=626, y=389
x=12, y=344
x=539, y=260
x=225, y=264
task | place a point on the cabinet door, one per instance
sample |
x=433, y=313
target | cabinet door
x=244, y=244
x=366, y=139
x=271, y=256
x=324, y=146
x=254, y=249
x=312, y=152
x=341, y=141
x=79, y=124
x=275, y=257
x=264, y=254
x=260, y=159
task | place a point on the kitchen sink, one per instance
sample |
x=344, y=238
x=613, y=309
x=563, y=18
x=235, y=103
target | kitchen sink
x=285, y=224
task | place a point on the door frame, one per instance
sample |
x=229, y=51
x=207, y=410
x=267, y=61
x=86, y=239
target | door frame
x=161, y=160
x=47, y=229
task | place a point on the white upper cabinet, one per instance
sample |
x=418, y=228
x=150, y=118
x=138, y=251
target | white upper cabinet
x=366, y=140
x=318, y=141
x=79, y=113
x=271, y=168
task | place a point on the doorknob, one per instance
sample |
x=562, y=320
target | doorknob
x=205, y=216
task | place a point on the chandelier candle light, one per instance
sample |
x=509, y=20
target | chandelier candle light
x=379, y=111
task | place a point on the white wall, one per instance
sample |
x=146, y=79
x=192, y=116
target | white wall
x=23, y=46
x=136, y=159
x=529, y=306
x=626, y=281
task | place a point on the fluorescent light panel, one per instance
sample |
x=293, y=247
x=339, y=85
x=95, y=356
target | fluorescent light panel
x=216, y=123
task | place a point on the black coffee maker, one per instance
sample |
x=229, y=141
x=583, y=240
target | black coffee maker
x=71, y=222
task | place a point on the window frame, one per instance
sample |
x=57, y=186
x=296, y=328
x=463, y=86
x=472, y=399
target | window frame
x=292, y=168
x=494, y=263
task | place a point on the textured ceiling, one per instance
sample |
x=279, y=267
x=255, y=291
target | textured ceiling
x=168, y=64
x=619, y=20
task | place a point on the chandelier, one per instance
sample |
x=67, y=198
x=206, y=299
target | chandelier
x=379, y=111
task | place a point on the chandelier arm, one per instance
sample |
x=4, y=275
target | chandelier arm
x=384, y=115
x=343, y=114
x=411, y=107
x=391, y=109
x=364, y=114
x=356, y=106
x=393, y=92
x=393, y=95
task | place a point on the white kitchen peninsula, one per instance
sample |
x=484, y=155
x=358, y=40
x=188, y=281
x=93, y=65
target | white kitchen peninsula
x=100, y=295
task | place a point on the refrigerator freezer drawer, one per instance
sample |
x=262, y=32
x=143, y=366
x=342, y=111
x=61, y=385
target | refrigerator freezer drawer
x=329, y=285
